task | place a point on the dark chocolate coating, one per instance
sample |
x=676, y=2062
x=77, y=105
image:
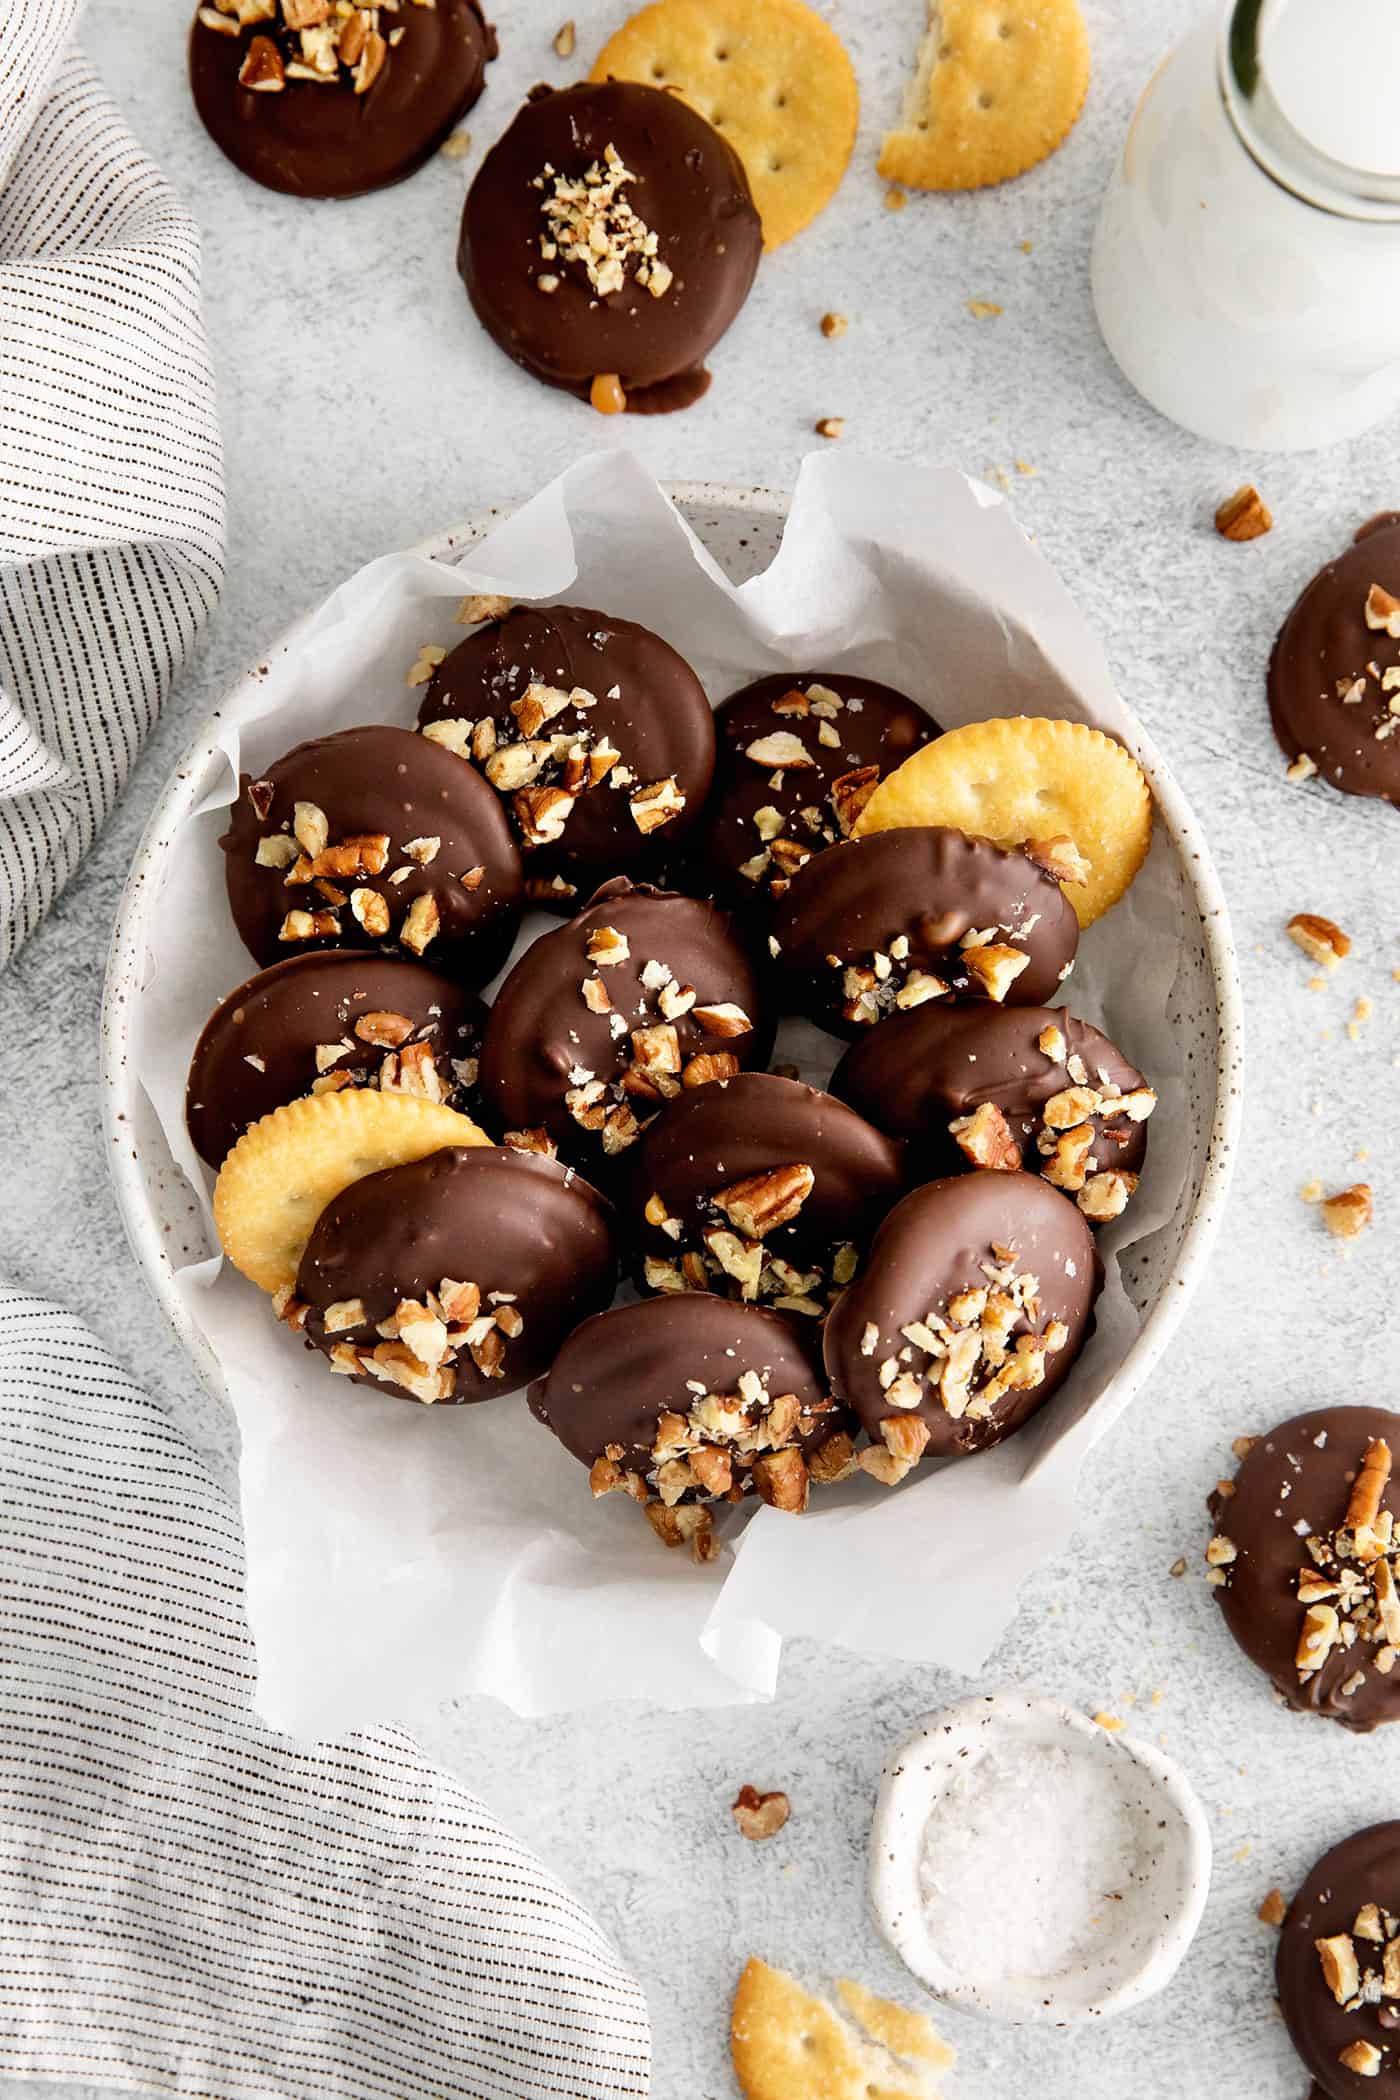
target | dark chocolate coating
x=917, y=1072
x=1324, y=647
x=879, y=730
x=541, y=1031
x=687, y=186
x=617, y=1374
x=705, y=1142
x=929, y=884
x=375, y=780
x=1285, y=1479
x=505, y=1221
x=1364, y=1868
x=934, y=1245
x=315, y=140
x=282, y=1016
x=660, y=722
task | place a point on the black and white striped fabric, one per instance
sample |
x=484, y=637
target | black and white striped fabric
x=190, y=1904
x=111, y=476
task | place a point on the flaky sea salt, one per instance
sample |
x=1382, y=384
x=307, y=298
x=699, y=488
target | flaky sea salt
x=1027, y=1858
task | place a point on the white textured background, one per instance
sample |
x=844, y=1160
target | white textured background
x=362, y=407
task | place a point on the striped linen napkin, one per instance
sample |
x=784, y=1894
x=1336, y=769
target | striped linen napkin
x=111, y=474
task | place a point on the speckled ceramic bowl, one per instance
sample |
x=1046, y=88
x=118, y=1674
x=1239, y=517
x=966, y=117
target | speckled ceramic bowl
x=741, y=528
x=1156, y=1912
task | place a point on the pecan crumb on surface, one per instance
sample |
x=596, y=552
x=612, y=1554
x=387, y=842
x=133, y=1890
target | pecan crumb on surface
x=834, y=325
x=1349, y=1212
x=760, y=1815
x=1274, y=1908
x=830, y=426
x=1243, y=516
x=565, y=38
x=1322, y=940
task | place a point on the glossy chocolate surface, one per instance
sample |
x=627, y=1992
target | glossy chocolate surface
x=319, y=138
x=686, y=186
x=770, y=1191
x=550, y=1061
x=850, y=732
x=619, y=1374
x=851, y=905
x=532, y=1236
x=977, y=1233
x=1287, y=1479
x=336, y=1018
x=638, y=697
x=918, y=1072
x=1327, y=676
x=1364, y=1869
x=383, y=783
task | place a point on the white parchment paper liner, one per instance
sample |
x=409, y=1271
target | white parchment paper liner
x=400, y=1556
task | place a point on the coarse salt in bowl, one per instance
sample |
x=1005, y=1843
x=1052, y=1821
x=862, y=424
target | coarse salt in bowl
x=1030, y=1864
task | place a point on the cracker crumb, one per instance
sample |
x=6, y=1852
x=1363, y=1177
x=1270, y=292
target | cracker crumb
x=833, y=325
x=1360, y=1015
x=830, y=426
x=565, y=38
x=456, y=146
x=1107, y=1721
x=1023, y=466
x=983, y=309
x=895, y=200
x=1311, y=1192
x=1274, y=1908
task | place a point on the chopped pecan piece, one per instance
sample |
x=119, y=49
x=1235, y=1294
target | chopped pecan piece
x=1382, y=610
x=1340, y=1971
x=725, y=1020
x=421, y=923
x=707, y=1066
x=1274, y=1909
x=760, y=1815
x=1348, y=1213
x=384, y=1030
x=781, y=1479
x=849, y=794
x=1060, y=857
x=262, y=69
x=996, y=967
x=479, y=606
x=760, y=1204
x=657, y=804
x=370, y=911
x=1320, y=939
x=832, y=1461
x=1243, y=516
x=984, y=1138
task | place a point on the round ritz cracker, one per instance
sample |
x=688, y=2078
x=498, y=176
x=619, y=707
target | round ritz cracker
x=997, y=87
x=286, y=1168
x=1025, y=777
x=772, y=79
x=787, y=2045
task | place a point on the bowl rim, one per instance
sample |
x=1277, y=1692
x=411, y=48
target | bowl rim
x=120, y=1090
x=905, y=1789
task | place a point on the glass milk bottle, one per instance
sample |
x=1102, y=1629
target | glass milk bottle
x=1246, y=265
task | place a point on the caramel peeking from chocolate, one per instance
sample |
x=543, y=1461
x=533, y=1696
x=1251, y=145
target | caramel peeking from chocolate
x=966, y=1317
x=610, y=233
x=1303, y=1567
x=320, y=1022
x=799, y=755
x=455, y=1278
x=594, y=732
x=1338, y=1964
x=1334, y=675
x=319, y=104
x=373, y=838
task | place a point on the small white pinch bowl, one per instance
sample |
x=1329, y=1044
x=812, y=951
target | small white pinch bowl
x=1160, y=1911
